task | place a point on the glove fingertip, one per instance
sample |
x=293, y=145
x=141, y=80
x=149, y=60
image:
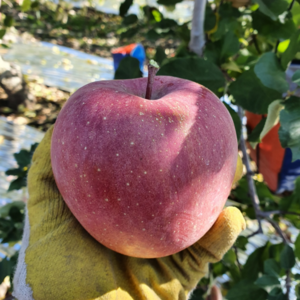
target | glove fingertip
x=220, y=238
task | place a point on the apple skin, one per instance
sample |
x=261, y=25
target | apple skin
x=145, y=178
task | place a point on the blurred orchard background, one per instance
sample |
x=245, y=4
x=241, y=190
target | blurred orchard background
x=246, y=51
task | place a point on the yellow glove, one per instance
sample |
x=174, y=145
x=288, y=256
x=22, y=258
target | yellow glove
x=60, y=260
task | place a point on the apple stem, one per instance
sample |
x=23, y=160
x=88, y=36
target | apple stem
x=152, y=70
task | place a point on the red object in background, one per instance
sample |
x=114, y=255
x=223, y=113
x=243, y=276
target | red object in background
x=269, y=154
x=124, y=50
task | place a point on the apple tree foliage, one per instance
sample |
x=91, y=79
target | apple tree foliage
x=247, y=52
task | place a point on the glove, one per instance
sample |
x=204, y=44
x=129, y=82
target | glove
x=59, y=260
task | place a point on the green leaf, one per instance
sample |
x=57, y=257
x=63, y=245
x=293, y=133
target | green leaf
x=219, y=51
x=6, y=268
x=129, y=68
x=130, y=33
x=17, y=184
x=276, y=294
x=254, y=136
x=273, y=29
x=230, y=45
x=26, y=5
x=254, y=264
x=210, y=19
x=23, y=158
x=2, y=33
x=160, y=55
x=289, y=131
x=4, y=210
x=287, y=257
x=267, y=280
x=272, y=119
x=124, y=7
x=297, y=247
x=296, y=13
x=297, y=276
x=270, y=73
x=152, y=35
x=195, y=69
x=296, y=77
x=166, y=23
x=272, y=8
x=241, y=242
x=251, y=94
x=292, y=49
x=168, y=2
x=246, y=290
x=271, y=267
x=15, y=172
x=8, y=21
x=236, y=121
x=130, y=19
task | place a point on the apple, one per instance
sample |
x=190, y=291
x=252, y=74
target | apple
x=145, y=177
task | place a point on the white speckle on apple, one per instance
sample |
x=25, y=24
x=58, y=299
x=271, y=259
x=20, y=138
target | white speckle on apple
x=89, y=195
x=98, y=170
x=104, y=229
x=63, y=143
x=84, y=148
x=93, y=212
x=145, y=172
x=160, y=203
x=132, y=143
x=117, y=154
x=106, y=200
x=87, y=123
x=119, y=199
x=124, y=214
x=76, y=166
x=104, y=118
x=127, y=184
x=141, y=114
x=144, y=229
x=137, y=204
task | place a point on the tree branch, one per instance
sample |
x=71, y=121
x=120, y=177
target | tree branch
x=237, y=259
x=278, y=212
x=291, y=6
x=288, y=284
x=197, y=40
x=251, y=185
x=278, y=230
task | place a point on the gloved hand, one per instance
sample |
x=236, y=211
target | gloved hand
x=59, y=260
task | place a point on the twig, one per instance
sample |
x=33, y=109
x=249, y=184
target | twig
x=278, y=212
x=291, y=6
x=251, y=185
x=256, y=44
x=253, y=234
x=288, y=284
x=197, y=40
x=278, y=230
x=276, y=46
x=237, y=258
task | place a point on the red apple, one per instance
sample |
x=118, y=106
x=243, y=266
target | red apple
x=146, y=178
